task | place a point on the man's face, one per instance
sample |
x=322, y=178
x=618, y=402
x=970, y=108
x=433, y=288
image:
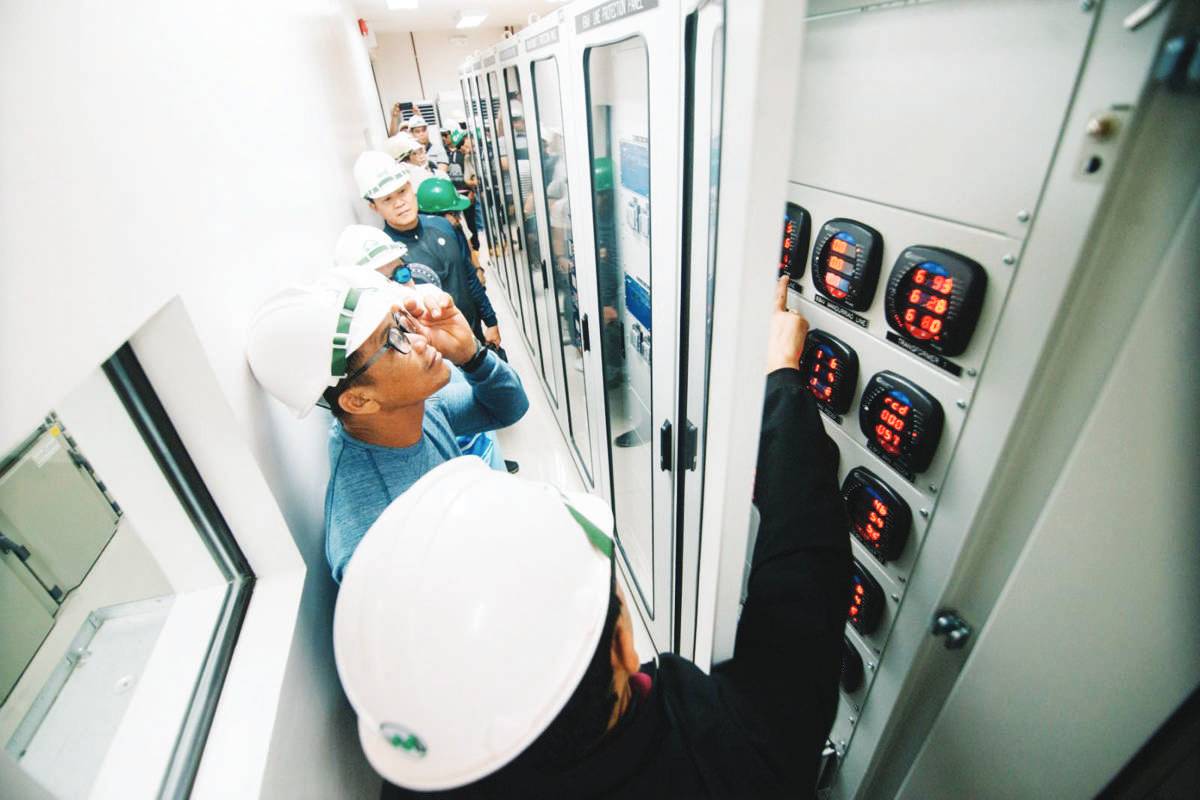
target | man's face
x=421, y=135
x=419, y=157
x=398, y=379
x=398, y=209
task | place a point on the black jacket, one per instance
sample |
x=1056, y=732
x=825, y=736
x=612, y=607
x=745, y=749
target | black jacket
x=755, y=726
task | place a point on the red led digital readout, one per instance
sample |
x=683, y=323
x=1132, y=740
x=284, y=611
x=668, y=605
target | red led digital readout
x=925, y=304
x=857, y=600
x=839, y=267
x=789, y=241
x=822, y=377
x=891, y=424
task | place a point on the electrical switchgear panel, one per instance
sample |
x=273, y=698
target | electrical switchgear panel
x=797, y=230
x=829, y=367
x=845, y=263
x=934, y=297
x=852, y=668
x=902, y=421
x=879, y=517
x=866, y=600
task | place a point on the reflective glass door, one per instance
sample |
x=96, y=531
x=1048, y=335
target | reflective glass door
x=498, y=247
x=549, y=359
x=560, y=253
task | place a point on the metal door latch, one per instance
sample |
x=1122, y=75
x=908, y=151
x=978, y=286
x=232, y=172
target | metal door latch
x=947, y=622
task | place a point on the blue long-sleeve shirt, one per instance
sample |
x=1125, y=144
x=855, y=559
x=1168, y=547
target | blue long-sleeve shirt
x=364, y=478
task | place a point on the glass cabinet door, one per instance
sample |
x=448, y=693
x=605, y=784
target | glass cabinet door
x=617, y=81
x=540, y=303
x=564, y=300
x=499, y=245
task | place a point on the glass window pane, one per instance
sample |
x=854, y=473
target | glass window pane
x=547, y=99
x=619, y=134
x=548, y=355
x=510, y=237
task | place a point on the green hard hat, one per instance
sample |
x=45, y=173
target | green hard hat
x=457, y=136
x=437, y=196
x=602, y=174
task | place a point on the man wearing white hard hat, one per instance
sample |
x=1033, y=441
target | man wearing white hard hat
x=367, y=257
x=412, y=155
x=380, y=366
x=426, y=134
x=503, y=665
x=430, y=240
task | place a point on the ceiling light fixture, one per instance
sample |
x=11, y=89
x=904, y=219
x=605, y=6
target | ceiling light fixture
x=470, y=19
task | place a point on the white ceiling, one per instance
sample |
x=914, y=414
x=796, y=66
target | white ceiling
x=438, y=15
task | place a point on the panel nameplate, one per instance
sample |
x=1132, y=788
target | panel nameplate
x=543, y=39
x=606, y=13
x=489, y=60
x=508, y=52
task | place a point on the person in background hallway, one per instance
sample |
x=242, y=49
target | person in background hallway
x=468, y=694
x=436, y=197
x=426, y=134
x=380, y=367
x=409, y=153
x=461, y=173
x=430, y=240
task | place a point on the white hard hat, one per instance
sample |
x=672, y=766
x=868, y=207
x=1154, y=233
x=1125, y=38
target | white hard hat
x=464, y=581
x=416, y=121
x=377, y=174
x=400, y=145
x=299, y=340
x=366, y=246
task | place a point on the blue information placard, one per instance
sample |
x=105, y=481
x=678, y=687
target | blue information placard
x=635, y=167
x=637, y=300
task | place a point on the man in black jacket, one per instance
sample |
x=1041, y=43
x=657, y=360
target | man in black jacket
x=504, y=726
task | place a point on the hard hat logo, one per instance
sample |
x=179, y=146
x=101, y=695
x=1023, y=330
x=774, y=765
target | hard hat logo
x=402, y=738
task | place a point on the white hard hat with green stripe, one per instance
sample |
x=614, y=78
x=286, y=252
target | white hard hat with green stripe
x=377, y=175
x=464, y=581
x=365, y=246
x=299, y=341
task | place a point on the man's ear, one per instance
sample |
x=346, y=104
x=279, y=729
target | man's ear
x=371, y=203
x=356, y=400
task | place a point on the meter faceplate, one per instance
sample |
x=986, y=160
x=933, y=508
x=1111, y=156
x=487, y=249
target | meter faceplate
x=829, y=368
x=902, y=421
x=879, y=518
x=845, y=262
x=934, y=297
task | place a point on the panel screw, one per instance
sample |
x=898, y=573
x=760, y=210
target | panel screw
x=1086, y=5
x=853, y=720
x=972, y=372
x=1022, y=216
x=1009, y=258
x=902, y=579
x=960, y=403
x=878, y=652
x=870, y=666
x=924, y=512
x=842, y=744
x=933, y=487
x=896, y=597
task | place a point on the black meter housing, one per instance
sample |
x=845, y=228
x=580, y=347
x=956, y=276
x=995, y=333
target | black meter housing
x=902, y=421
x=934, y=297
x=866, y=600
x=797, y=232
x=879, y=517
x=852, y=668
x=845, y=262
x=829, y=368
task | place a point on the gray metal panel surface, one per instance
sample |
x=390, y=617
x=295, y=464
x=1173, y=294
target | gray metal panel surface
x=24, y=624
x=950, y=109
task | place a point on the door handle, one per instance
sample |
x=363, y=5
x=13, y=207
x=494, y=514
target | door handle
x=664, y=446
x=587, y=337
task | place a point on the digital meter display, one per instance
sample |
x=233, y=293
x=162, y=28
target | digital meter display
x=852, y=668
x=902, y=420
x=830, y=370
x=797, y=230
x=845, y=262
x=879, y=518
x=866, y=600
x=934, y=298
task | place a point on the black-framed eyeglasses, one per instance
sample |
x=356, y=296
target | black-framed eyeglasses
x=397, y=339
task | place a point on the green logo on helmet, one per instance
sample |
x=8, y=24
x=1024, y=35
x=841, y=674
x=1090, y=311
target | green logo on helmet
x=402, y=738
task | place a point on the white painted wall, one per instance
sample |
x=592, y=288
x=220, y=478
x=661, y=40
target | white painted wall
x=200, y=152
x=396, y=64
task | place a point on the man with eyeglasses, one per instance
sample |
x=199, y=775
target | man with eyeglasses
x=380, y=367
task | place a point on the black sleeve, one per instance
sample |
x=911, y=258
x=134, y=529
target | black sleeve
x=783, y=677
